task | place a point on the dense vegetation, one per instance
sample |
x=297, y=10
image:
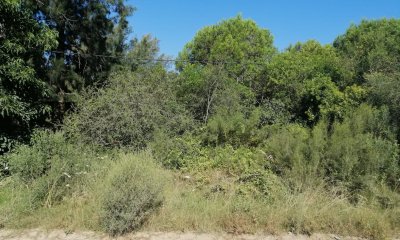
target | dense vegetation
x=239, y=138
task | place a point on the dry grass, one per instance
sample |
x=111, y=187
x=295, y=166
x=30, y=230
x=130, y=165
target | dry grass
x=194, y=205
x=188, y=208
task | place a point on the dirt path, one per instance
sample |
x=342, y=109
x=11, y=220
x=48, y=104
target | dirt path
x=37, y=234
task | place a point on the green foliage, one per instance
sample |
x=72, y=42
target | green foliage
x=384, y=91
x=248, y=166
x=287, y=149
x=232, y=161
x=352, y=153
x=143, y=53
x=176, y=152
x=308, y=79
x=128, y=111
x=371, y=46
x=240, y=43
x=200, y=89
x=233, y=128
x=322, y=98
x=133, y=189
x=86, y=28
x=22, y=92
x=358, y=153
x=360, y=148
x=50, y=166
x=273, y=111
x=257, y=139
x=205, y=90
x=261, y=184
x=188, y=153
x=31, y=162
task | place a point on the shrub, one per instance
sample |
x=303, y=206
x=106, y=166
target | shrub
x=188, y=153
x=261, y=184
x=234, y=161
x=179, y=152
x=287, y=148
x=50, y=166
x=232, y=128
x=31, y=162
x=359, y=153
x=132, y=191
x=128, y=111
x=351, y=152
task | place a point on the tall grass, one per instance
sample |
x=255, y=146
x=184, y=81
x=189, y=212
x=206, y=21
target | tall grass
x=195, y=204
x=315, y=209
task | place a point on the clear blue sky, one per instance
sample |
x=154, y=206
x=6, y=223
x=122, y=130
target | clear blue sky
x=175, y=22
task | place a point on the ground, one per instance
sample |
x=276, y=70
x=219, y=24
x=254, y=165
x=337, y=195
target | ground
x=38, y=234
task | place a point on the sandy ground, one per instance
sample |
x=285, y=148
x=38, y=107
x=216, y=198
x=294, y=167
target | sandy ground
x=37, y=234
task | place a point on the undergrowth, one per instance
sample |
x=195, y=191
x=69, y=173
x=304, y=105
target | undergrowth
x=293, y=179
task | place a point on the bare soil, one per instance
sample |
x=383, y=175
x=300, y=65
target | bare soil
x=39, y=234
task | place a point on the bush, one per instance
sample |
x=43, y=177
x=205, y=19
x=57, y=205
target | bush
x=359, y=150
x=287, y=149
x=51, y=166
x=188, y=153
x=132, y=191
x=352, y=153
x=261, y=184
x=128, y=111
x=177, y=152
x=232, y=128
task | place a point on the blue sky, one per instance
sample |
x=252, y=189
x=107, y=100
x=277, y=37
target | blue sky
x=175, y=22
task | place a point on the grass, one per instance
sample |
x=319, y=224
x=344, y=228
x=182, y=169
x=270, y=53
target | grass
x=316, y=209
x=207, y=202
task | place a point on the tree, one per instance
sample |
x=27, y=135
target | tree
x=88, y=30
x=384, y=90
x=321, y=98
x=198, y=89
x=373, y=50
x=309, y=79
x=371, y=46
x=221, y=67
x=23, y=93
x=239, y=44
x=143, y=52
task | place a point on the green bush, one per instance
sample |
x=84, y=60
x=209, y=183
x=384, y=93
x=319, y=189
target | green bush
x=287, y=148
x=128, y=111
x=188, y=153
x=30, y=162
x=50, y=166
x=234, y=161
x=261, y=184
x=359, y=150
x=232, y=128
x=132, y=190
x=179, y=152
x=352, y=152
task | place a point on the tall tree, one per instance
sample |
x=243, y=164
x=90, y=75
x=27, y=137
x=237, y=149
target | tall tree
x=373, y=50
x=200, y=89
x=371, y=46
x=23, y=93
x=223, y=63
x=310, y=80
x=88, y=31
x=144, y=52
x=241, y=45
